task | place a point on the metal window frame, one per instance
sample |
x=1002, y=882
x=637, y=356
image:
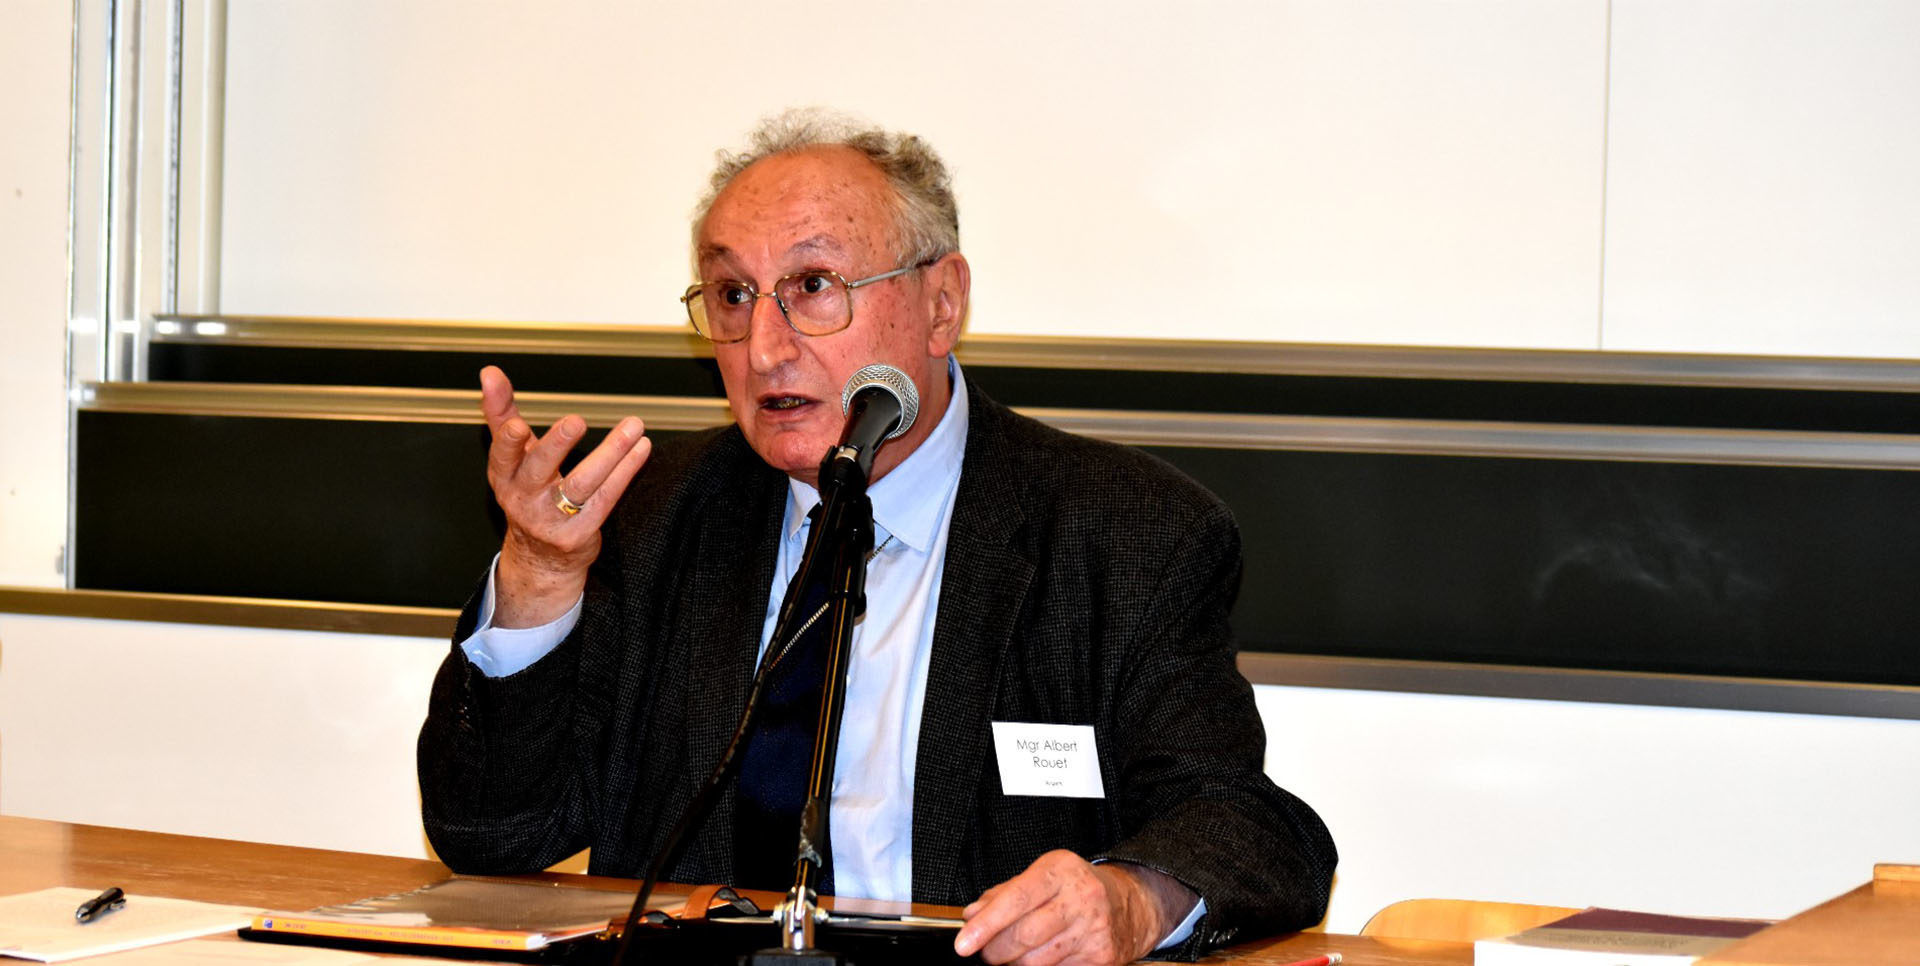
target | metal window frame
x=143, y=210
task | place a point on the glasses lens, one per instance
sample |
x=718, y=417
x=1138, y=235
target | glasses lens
x=721, y=311
x=816, y=302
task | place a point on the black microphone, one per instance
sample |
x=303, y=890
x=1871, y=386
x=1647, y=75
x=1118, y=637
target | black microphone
x=880, y=403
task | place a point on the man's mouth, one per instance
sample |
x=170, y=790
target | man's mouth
x=778, y=403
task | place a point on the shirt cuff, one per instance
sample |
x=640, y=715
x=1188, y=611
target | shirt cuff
x=502, y=651
x=1182, y=931
x=1185, y=929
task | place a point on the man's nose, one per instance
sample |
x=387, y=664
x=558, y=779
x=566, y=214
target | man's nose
x=771, y=342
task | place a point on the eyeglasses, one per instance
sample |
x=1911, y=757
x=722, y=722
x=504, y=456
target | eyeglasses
x=814, y=302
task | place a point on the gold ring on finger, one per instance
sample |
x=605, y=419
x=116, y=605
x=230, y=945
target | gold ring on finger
x=565, y=505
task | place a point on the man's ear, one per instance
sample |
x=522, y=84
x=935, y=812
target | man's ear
x=948, y=282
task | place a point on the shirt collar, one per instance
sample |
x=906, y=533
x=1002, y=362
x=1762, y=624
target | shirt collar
x=908, y=501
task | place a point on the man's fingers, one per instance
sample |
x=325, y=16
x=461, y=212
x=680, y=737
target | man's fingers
x=510, y=432
x=1056, y=911
x=496, y=397
x=624, y=471
x=590, y=475
x=599, y=502
x=525, y=469
x=1042, y=937
x=543, y=459
x=508, y=449
x=999, y=908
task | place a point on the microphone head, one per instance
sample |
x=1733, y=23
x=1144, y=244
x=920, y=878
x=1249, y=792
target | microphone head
x=892, y=380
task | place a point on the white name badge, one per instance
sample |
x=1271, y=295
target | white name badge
x=1052, y=760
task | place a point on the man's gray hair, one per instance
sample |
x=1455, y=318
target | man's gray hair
x=926, y=219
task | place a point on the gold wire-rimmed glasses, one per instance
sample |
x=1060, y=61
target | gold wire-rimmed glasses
x=817, y=301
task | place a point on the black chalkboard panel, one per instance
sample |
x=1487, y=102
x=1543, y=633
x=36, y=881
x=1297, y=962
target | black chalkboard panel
x=1750, y=571
x=431, y=369
x=300, y=509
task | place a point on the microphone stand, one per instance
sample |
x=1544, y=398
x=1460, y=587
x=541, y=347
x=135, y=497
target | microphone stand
x=842, y=539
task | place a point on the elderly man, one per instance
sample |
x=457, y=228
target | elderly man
x=1021, y=577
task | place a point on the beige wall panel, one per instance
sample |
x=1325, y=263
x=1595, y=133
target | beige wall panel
x=1678, y=810
x=36, y=64
x=297, y=737
x=1389, y=171
x=1761, y=192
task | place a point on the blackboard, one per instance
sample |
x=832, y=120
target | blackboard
x=1782, y=572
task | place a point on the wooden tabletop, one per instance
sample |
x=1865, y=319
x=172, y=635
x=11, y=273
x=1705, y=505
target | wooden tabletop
x=1877, y=924
x=37, y=854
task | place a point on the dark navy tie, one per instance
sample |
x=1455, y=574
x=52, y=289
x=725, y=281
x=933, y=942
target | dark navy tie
x=778, y=754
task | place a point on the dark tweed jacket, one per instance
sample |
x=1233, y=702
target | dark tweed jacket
x=1085, y=583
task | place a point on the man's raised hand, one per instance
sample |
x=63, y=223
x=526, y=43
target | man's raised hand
x=544, y=560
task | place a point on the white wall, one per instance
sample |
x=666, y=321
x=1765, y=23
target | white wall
x=34, y=65
x=1669, y=809
x=1712, y=176
x=1760, y=178
x=296, y=737
x=1388, y=171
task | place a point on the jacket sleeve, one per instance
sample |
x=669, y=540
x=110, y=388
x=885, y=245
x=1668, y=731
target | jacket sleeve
x=1197, y=799
x=503, y=761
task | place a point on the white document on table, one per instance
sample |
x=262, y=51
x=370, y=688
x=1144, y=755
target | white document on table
x=40, y=925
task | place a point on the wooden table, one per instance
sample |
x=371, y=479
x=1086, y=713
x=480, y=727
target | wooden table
x=1877, y=924
x=37, y=854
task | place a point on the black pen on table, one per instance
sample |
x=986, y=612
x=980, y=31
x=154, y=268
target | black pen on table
x=100, y=905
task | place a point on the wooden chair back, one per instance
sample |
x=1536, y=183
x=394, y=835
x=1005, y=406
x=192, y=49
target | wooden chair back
x=1458, y=920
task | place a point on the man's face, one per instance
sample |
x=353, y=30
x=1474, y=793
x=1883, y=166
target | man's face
x=824, y=208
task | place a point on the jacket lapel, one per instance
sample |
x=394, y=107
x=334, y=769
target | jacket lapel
x=727, y=593
x=981, y=595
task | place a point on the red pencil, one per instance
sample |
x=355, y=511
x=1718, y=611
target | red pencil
x=1328, y=960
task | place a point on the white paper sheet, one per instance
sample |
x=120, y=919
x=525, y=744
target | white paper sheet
x=40, y=925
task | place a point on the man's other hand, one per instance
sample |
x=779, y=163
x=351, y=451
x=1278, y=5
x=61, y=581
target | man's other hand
x=1063, y=910
x=543, y=562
